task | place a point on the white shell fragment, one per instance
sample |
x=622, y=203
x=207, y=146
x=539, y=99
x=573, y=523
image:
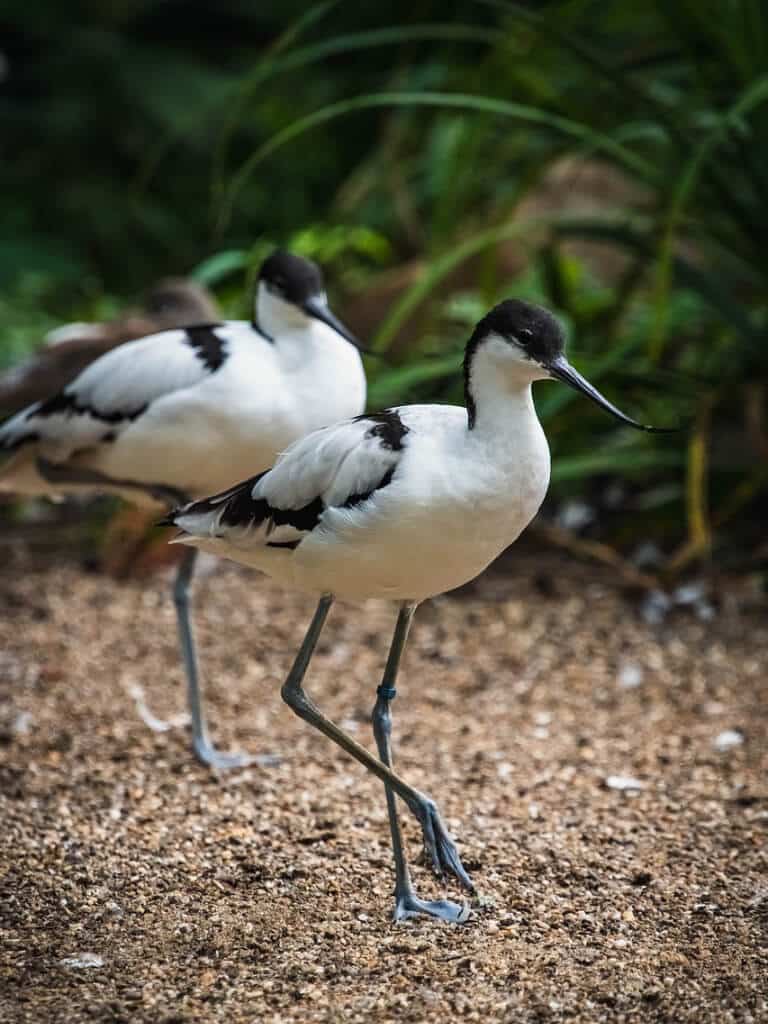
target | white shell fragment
x=728, y=739
x=82, y=960
x=624, y=783
x=574, y=515
x=630, y=675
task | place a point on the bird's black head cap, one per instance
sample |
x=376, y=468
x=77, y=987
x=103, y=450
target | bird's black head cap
x=533, y=329
x=292, y=277
x=537, y=336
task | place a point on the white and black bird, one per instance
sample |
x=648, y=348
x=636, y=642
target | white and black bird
x=402, y=505
x=179, y=414
x=67, y=350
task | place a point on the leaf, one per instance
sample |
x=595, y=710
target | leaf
x=628, y=232
x=755, y=94
x=442, y=100
x=580, y=467
x=392, y=386
x=318, y=52
x=220, y=265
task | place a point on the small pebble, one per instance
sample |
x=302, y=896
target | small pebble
x=207, y=902
x=575, y=514
x=623, y=783
x=728, y=739
x=82, y=960
x=22, y=724
x=655, y=607
x=647, y=554
x=630, y=675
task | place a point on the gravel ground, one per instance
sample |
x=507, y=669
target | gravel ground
x=137, y=887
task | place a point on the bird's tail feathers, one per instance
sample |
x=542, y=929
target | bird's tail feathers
x=188, y=539
x=193, y=519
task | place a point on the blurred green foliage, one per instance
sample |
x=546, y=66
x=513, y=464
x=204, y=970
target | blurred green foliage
x=145, y=138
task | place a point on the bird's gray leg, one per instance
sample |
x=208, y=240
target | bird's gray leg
x=407, y=904
x=439, y=846
x=201, y=744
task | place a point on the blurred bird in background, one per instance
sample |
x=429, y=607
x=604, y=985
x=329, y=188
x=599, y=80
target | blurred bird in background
x=66, y=351
x=183, y=412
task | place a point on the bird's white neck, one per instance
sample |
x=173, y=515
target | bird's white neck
x=303, y=344
x=323, y=373
x=277, y=317
x=498, y=390
x=505, y=440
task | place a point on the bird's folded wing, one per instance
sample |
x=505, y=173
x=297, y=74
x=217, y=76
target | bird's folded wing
x=119, y=387
x=340, y=466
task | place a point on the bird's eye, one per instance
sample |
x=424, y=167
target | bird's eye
x=525, y=333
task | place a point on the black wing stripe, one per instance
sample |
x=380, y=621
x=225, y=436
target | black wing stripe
x=241, y=509
x=66, y=403
x=209, y=348
x=387, y=427
x=18, y=442
x=240, y=494
x=304, y=519
x=244, y=510
x=357, y=499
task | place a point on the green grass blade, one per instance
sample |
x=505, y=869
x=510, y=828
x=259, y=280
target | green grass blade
x=580, y=467
x=696, y=277
x=393, y=385
x=220, y=265
x=751, y=97
x=677, y=123
x=193, y=118
x=440, y=269
x=295, y=59
x=579, y=131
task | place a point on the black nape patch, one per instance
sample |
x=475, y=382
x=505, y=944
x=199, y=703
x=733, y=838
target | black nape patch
x=387, y=426
x=209, y=348
x=66, y=403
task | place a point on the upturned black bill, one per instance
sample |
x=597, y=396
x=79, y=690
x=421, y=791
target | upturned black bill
x=561, y=369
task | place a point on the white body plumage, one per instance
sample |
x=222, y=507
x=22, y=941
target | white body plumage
x=190, y=409
x=401, y=506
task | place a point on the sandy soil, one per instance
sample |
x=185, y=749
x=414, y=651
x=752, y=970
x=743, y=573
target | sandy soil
x=266, y=895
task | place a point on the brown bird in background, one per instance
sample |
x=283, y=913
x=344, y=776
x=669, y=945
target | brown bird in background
x=172, y=302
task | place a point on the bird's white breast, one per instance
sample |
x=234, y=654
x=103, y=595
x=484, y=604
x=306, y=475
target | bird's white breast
x=323, y=377
x=458, y=498
x=234, y=422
